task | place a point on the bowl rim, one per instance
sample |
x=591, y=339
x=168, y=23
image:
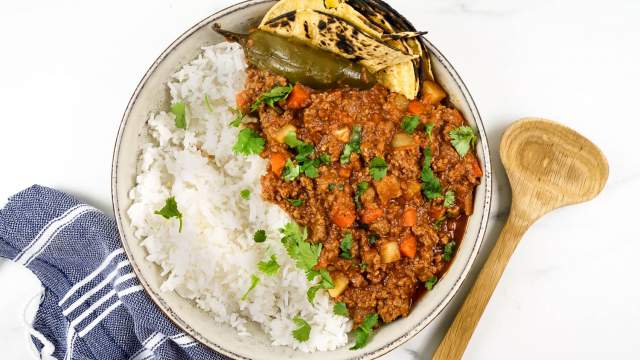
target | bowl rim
x=399, y=340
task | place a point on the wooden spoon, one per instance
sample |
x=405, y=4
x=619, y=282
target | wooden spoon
x=549, y=166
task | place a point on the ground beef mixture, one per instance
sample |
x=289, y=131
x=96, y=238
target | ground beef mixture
x=398, y=235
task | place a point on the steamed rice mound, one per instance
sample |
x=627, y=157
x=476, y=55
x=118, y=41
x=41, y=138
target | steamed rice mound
x=211, y=261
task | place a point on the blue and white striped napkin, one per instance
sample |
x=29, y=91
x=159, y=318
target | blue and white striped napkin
x=92, y=307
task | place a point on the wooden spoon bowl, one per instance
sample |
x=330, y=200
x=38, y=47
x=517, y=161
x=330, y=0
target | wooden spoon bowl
x=548, y=166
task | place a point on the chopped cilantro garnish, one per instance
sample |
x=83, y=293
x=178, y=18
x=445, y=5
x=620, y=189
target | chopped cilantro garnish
x=254, y=282
x=303, y=159
x=311, y=293
x=449, y=198
x=331, y=187
x=270, y=267
x=373, y=238
x=245, y=194
x=438, y=223
x=363, y=331
x=462, y=139
x=428, y=128
x=449, y=250
x=237, y=118
x=302, y=332
x=207, y=103
x=430, y=183
x=272, y=96
x=294, y=240
x=170, y=210
x=360, y=189
x=249, y=142
x=363, y=266
x=179, y=109
x=291, y=171
x=378, y=168
x=410, y=123
x=296, y=202
x=340, y=308
x=345, y=246
x=353, y=146
x=260, y=236
x=431, y=282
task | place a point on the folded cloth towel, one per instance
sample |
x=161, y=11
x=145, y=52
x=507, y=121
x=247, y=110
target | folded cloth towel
x=93, y=307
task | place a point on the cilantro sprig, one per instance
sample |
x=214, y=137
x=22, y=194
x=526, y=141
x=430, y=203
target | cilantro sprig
x=254, y=282
x=170, y=210
x=449, y=251
x=462, y=139
x=378, y=168
x=449, y=198
x=353, y=146
x=260, y=236
x=345, y=246
x=304, y=163
x=363, y=331
x=179, y=109
x=270, y=267
x=272, y=96
x=296, y=202
x=249, y=142
x=360, y=189
x=340, y=308
x=410, y=123
x=245, y=194
x=238, y=116
x=431, y=186
x=431, y=282
x=301, y=333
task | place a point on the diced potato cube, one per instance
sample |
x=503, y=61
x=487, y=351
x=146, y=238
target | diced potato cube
x=390, y=252
x=282, y=133
x=433, y=92
x=340, y=283
x=388, y=188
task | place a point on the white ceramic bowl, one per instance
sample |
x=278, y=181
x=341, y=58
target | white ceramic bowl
x=151, y=95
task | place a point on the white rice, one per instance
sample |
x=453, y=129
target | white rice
x=211, y=261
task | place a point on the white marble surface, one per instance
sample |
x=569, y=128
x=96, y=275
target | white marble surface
x=571, y=289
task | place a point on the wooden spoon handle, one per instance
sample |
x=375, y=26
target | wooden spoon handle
x=455, y=341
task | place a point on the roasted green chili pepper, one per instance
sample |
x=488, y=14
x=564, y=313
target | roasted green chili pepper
x=300, y=63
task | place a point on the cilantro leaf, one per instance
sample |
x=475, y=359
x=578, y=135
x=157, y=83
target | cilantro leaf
x=207, y=103
x=294, y=240
x=353, y=146
x=345, y=246
x=363, y=331
x=449, y=251
x=179, y=109
x=249, y=142
x=325, y=159
x=428, y=128
x=237, y=119
x=341, y=309
x=438, y=223
x=462, y=139
x=254, y=282
x=302, y=332
x=373, y=238
x=296, y=202
x=312, y=291
x=245, y=194
x=378, y=168
x=270, y=267
x=410, y=123
x=360, y=189
x=430, y=283
x=291, y=171
x=305, y=164
x=331, y=187
x=260, y=236
x=363, y=266
x=449, y=198
x=326, y=282
x=272, y=96
x=430, y=183
x=170, y=210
